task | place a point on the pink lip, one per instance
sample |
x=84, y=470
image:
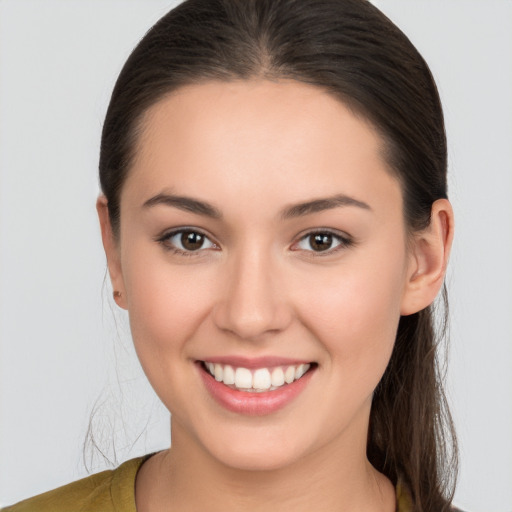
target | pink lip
x=253, y=404
x=256, y=362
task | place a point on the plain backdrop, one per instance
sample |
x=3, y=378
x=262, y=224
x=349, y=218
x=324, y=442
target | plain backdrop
x=64, y=345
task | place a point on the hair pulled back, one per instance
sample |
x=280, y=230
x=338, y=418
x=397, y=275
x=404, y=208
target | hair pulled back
x=350, y=49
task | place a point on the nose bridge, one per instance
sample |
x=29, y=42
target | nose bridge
x=253, y=304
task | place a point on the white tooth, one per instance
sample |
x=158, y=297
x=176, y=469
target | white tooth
x=277, y=377
x=289, y=374
x=229, y=375
x=218, y=372
x=299, y=372
x=211, y=368
x=261, y=379
x=243, y=378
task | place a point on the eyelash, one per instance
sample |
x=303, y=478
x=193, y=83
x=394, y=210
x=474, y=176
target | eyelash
x=164, y=240
x=344, y=242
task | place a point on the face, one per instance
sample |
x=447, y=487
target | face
x=260, y=231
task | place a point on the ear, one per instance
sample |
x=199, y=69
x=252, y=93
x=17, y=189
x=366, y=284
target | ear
x=428, y=259
x=112, y=251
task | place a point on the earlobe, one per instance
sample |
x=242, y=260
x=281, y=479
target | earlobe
x=429, y=259
x=112, y=252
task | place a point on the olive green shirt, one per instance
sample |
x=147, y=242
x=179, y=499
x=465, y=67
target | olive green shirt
x=111, y=491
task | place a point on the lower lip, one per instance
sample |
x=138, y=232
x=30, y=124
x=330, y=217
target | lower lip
x=253, y=404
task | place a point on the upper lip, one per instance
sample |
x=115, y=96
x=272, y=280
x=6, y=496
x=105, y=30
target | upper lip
x=255, y=362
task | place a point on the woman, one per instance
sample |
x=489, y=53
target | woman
x=276, y=223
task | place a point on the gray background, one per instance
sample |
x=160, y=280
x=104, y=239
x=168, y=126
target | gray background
x=64, y=347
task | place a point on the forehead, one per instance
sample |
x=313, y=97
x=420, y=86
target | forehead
x=253, y=138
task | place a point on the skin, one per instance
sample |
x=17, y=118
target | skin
x=253, y=149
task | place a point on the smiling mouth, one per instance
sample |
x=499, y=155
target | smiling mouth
x=257, y=380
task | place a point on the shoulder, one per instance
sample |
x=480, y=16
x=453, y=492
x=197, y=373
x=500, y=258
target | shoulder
x=404, y=500
x=107, y=491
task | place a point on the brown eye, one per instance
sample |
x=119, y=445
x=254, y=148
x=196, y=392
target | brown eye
x=192, y=241
x=186, y=241
x=321, y=241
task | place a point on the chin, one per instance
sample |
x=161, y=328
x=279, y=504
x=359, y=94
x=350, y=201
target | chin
x=260, y=449
x=258, y=459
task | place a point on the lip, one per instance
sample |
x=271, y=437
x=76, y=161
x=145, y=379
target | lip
x=253, y=404
x=256, y=362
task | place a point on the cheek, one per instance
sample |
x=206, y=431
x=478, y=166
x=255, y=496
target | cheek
x=166, y=307
x=166, y=302
x=355, y=312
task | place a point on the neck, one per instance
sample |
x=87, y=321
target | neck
x=336, y=477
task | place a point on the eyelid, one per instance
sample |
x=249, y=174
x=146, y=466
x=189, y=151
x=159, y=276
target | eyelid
x=165, y=236
x=345, y=241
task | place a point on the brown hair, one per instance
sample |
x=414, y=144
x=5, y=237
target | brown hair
x=349, y=48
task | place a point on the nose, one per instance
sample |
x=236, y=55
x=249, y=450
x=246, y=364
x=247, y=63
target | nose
x=253, y=302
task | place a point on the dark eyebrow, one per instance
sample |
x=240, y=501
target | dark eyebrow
x=318, y=205
x=203, y=208
x=184, y=203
